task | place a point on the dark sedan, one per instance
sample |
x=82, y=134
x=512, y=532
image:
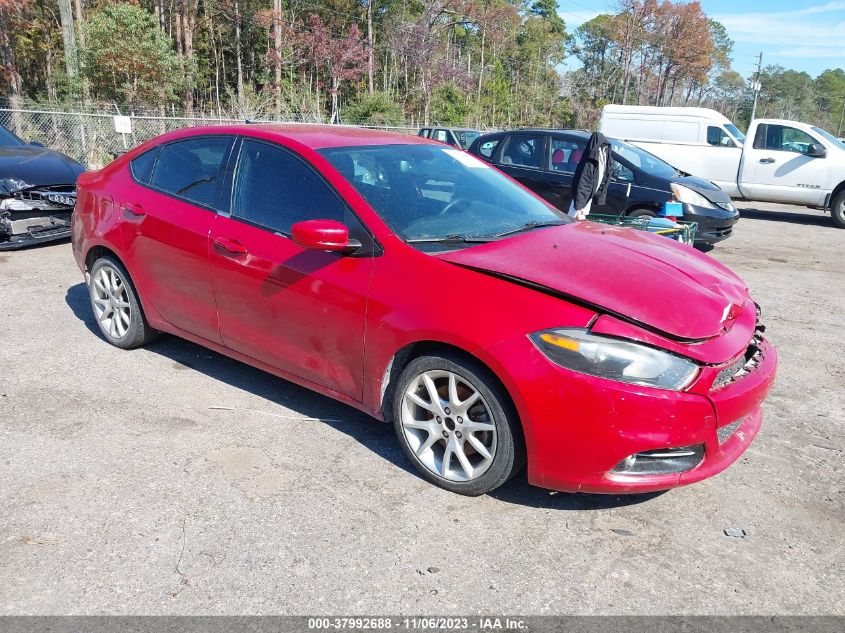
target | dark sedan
x=545, y=161
x=37, y=192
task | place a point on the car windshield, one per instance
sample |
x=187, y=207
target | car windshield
x=829, y=137
x=649, y=163
x=734, y=130
x=430, y=194
x=7, y=139
x=466, y=137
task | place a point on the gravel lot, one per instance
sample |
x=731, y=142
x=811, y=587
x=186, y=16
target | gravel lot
x=172, y=480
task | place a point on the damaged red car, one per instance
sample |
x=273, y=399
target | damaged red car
x=421, y=285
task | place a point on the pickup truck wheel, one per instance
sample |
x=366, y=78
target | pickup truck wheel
x=837, y=210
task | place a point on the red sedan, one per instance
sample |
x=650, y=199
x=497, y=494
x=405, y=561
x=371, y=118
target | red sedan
x=424, y=287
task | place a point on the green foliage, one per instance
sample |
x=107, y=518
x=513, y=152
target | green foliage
x=375, y=109
x=128, y=59
x=449, y=105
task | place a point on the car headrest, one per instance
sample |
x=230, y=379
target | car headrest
x=557, y=157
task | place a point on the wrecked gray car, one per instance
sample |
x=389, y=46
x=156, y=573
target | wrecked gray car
x=37, y=192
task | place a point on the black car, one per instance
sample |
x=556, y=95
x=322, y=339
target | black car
x=545, y=161
x=37, y=192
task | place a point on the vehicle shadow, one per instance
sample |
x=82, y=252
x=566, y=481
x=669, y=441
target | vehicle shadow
x=376, y=436
x=519, y=492
x=811, y=217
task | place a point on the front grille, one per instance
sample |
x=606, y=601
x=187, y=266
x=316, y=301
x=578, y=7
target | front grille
x=724, y=433
x=741, y=367
x=47, y=198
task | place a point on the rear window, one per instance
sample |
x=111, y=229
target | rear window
x=142, y=166
x=191, y=169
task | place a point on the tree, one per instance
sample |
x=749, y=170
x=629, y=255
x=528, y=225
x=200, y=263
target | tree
x=128, y=59
x=374, y=109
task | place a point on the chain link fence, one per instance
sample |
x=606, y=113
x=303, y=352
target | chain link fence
x=93, y=139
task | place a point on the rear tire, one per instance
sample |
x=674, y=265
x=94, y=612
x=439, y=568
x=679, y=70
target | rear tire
x=450, y=408
x=115, y=304
x=837, y=210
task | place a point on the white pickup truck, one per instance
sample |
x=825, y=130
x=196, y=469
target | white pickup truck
x=778, y=161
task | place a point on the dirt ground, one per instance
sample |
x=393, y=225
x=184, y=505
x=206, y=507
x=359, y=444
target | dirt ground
x=171, y=480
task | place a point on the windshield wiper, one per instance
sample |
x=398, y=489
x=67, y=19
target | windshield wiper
x=528, y=226
x=454, y=237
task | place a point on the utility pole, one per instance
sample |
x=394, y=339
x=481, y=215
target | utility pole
x=755, y=85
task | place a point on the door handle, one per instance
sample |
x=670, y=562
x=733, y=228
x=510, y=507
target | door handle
x=767, y=160
x=231, y=247
x=132, y=210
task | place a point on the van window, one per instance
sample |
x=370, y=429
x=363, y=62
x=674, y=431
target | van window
x=680, y=131
x=717, y=137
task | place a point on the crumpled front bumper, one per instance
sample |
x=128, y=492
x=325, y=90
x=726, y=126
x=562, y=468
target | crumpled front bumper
x=35, y=216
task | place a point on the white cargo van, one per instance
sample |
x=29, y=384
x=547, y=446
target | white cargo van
x=780, y=161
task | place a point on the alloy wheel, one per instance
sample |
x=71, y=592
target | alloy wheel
x=111, y=301
x=448, y=425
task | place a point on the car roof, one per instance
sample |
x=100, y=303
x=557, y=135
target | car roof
x=584, y=134
x=315, y=136
x=319, y=136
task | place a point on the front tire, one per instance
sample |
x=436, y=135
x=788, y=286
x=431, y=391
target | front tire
x=456, y=424
x=837, y=210
x=114, y=301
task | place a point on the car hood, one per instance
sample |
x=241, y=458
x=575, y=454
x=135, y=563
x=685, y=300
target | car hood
x=647, y=279
x=706, y=188
x=26, y=166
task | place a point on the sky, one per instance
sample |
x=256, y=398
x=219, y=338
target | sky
x=799, y=34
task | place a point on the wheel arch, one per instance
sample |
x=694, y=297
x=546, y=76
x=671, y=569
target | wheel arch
x=836, y=191
x=644, y=206
x=100, y=250
x=429, y=347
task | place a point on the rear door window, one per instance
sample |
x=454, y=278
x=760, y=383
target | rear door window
x=523, y=151
x=425, y=132
x=440, y=135
x=191, y=169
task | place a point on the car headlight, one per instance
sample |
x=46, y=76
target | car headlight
x=688, y=196
x=615, y=359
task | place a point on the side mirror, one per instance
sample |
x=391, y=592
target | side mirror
x=37, y=144
x=816, y=150
x=324, y=235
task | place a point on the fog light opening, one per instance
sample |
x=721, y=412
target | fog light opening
x=661, y=461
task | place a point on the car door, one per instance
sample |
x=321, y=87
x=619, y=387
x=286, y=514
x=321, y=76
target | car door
x=166, y=219
x=776, y=167
x=565, y=152
x=296, y=309
x=523, y=157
